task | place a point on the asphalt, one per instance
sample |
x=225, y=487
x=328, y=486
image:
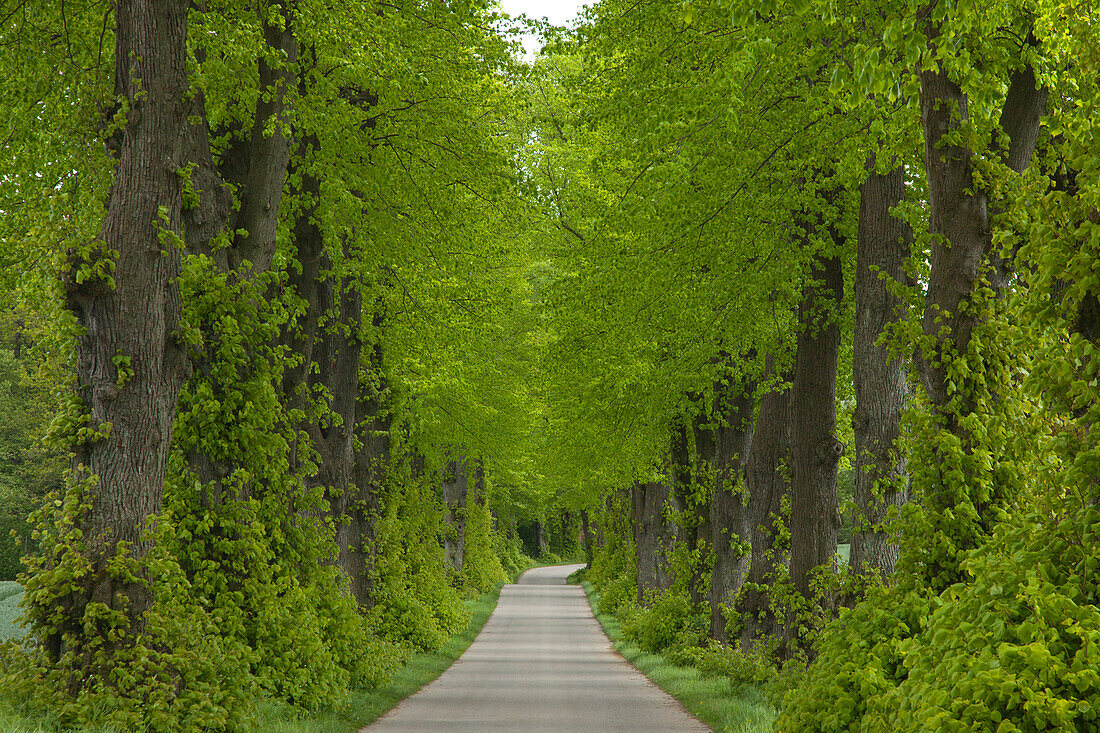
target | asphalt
x=541, y=663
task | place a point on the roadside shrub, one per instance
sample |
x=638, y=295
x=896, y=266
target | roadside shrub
x=1019, y=646
x=481, y=567
x=613, y=576
x=181, y=672
x=669, y=622
x=1015, y=649
x=509, y=550
x=15, y=532
x=754, y=668
x=619, y=595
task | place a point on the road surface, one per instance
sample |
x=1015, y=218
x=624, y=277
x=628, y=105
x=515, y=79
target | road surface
x=541, y=663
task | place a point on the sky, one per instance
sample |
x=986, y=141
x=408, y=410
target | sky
x=558, y=12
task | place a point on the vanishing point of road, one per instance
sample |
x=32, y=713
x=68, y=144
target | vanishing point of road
x=541, y=663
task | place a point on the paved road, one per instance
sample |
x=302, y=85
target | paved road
x=541, y=663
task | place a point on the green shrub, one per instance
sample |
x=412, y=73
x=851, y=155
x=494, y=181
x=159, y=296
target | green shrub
x=15, y=532
x=417, y=607
x=509, y=550
x=1016, y=648
x=669, y=622
x=755, y=669
x=613, y=576
x=481, y=566
x=181, y=672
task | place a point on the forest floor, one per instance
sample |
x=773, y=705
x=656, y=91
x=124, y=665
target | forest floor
x=541, y=663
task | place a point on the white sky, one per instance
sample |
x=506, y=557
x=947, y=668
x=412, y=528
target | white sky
x=558, y=12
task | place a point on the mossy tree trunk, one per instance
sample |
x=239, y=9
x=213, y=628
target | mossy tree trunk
x=653, y=536
x=767, y=483
x=124, y=292
x=815, y=449
x=881, y=388
x=729, y=510
x=455, y=490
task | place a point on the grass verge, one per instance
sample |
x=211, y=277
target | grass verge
x=710, y=699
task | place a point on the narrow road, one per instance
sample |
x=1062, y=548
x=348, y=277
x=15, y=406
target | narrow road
x=541, y=663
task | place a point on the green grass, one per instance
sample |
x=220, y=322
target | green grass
x=710, y=699
x=10, y=593
x=845, y=552
x=364, y=706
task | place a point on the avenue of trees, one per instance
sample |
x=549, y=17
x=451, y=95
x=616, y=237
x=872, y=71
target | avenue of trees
x=319, y=307
x=265, y=295
x=829, y=269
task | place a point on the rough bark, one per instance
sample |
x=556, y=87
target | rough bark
x=541, y=544
x=690, y=472
x=653, y=536
x=269, y=152
x=815, y=449
x=212, y=207
x=134, y=319
x=353, y=451
x=338, y=365
x=960, y=217
x=586, y=537
x=257, y=165
x=766, y=480
x=455, y=486
x=959, y=209
x=372, y=459
x=728, y=511
x=301, y=333
x=881, y=389
x=1023, y=109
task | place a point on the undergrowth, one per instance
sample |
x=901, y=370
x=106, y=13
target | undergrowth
x=674, y=656
x=363, y=706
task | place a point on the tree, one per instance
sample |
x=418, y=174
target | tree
x=123, y=291
x=729, y=510
x=881, y=387
x=815, y=449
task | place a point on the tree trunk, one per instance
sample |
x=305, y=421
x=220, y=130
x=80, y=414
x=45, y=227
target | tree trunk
x=372, y=460
x=257, y=167
x=455, y=486
x=815, y=450
x=338, y=368
x=766, y=470
x=542, y=546
x=129, y=369
x=960, y=217
x=653, y=536
x=586, y=537
x=1023, y=109
x=729, y=515
x=691, y=473
x=881, y=389
x=269, y=151
x=960, y=225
